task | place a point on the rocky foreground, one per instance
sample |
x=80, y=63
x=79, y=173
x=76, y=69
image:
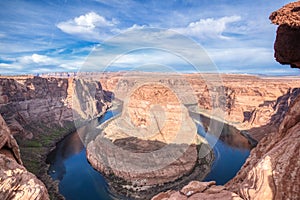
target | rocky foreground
x=15, y=181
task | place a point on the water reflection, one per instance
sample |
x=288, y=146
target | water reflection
x=68, y=164
x=228, y=158
x=78, y=180
x=68, y=147
x=229, y=134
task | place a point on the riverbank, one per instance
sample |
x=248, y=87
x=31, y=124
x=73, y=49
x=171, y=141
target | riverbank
x=34, y=152
x=124, y=188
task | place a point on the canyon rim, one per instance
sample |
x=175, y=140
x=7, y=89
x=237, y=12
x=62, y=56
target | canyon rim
x=153, y=148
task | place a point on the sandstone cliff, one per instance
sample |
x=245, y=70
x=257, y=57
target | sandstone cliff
x=257, y=102
x=49, y=101
x=15, y=181
x=41, y=111
x=273, y=168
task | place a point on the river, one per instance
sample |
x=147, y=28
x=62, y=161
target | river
x=78, y=180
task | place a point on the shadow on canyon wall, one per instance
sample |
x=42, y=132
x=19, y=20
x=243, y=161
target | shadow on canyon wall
x=47, y=101
x=39, y=112
x=280, y=106
x=229, y=134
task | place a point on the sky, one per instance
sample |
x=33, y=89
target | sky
x=67, y=36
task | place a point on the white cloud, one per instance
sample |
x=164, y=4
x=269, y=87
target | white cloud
x=37, y=59
x=209, y=28
x=9, y=66
x=88, y=25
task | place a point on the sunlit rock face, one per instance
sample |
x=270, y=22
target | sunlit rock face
x=154, y=112
x=250, y=101
x=15, y=181
x=49, y=101
x=32, y=106
x=151, y=145
x=272, y=170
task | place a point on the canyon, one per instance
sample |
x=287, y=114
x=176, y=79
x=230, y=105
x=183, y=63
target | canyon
x=39, y=112
x=151, y=145
x=258, y=102
x=44, y=115
x=36, y=112
x=272, y=169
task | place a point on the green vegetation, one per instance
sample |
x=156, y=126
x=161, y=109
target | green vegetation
x=34, y=151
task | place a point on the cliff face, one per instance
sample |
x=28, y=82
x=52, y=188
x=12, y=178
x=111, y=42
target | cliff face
x=153, y=145
x=15, y=181
x=287, y=44
x=49, y=101
x=250, y=102
x=39, y=112
x=273, y=168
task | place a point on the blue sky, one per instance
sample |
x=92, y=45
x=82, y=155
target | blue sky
x=47, y=36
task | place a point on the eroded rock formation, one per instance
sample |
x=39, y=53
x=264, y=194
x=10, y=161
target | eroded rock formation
x=257, y=102
x=273, y=168
x=152, y=144
x=196, y=190
x=50, y=101
x=287, y=44
x=39, y=112
x=15, y=181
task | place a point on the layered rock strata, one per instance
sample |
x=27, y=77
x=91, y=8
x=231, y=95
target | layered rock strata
x=272, y=171
x=50, y=101
x=41, y=111
x=196, y=190
x=273, y=168
x=151, y=145
x=258, y=101
x=15, y=181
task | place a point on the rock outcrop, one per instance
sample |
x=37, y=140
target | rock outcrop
x=15, y=181
x=273, y=168
x=287, y=44
x=196, y=190
x=151, y=145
